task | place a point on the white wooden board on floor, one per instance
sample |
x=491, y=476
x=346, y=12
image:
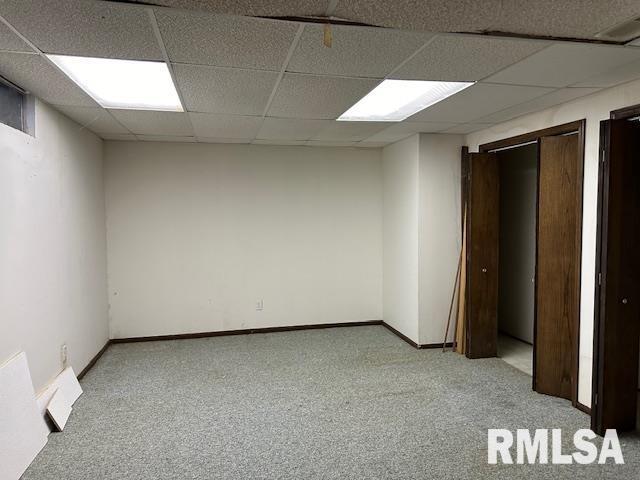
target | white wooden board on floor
x=67, y=383
x=22, y=431
x=59, y=409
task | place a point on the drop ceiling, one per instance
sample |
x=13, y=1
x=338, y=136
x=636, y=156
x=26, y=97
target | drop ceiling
x=267, y=81
x=555, y=18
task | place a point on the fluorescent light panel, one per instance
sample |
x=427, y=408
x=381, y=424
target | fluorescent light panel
x=130, y=84
x=395, y=100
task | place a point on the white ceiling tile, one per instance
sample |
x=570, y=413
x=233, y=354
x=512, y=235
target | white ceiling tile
x=225, y=90
x=431, y=16
x=478, y=101
x=40, y=77
x=320, y=143
x=253, y=8
x=367, y=144
x=350, y=131
x=225, y=126
x=576, y=18
x=390, y=136
x=401, y=130
x=468, y=128
x=310, y=96
x=465, y=58
x=565, y=64
x=225, y=41
x=9, y=41
x=224, y=140
x=144, y=122
x=290, y=128
x=96, y=119
x=279, y=142
x=571, y=19
x=541, y=103
x=613, y=77
x=119, y=137
x=85, y=28
x=166, y=138
x=355, y=51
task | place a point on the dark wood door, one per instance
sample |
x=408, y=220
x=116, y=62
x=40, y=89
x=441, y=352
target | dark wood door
x=558, y=266
x=483, y=228
x=615, y=396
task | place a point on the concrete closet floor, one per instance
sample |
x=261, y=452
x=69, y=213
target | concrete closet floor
x=516, y=353
x=353, y=402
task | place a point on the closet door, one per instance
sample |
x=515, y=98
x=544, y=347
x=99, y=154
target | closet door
x=483, y=228
x=558, y=266
x=618, y=317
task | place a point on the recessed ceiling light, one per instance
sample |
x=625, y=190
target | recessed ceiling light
x=128, y=84
x=395, y=100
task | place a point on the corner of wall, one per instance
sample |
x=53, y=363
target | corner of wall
x=439, y=241
x=400, y=236
x=421, y=233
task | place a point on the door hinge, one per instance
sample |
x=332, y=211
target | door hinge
x=599, y=278
x=595, y=399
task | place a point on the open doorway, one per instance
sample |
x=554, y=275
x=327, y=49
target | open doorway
x=559, y=153
x=617, y=295
x=518, y=168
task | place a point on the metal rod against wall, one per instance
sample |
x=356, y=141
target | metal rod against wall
x=453, y=298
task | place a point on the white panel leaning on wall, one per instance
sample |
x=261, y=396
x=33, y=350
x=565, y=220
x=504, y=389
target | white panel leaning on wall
x=23, y=432
x=24, y=428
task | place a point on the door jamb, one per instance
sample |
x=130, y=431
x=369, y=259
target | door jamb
x=625, y=113
x=564, y=129
x=464, y=224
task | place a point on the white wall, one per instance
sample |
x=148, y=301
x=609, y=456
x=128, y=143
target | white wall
x=197, y=234
x=439, y=232
x=52, y=245
x=594, y=108
x=421, y=233
x=400, y=239
x=517, y=263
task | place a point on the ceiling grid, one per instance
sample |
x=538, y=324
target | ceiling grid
x=285, y=64
x=163, y=49
x=266, y=81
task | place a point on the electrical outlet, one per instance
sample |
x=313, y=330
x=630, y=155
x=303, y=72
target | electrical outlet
x=64, y=355
x=259, y=305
